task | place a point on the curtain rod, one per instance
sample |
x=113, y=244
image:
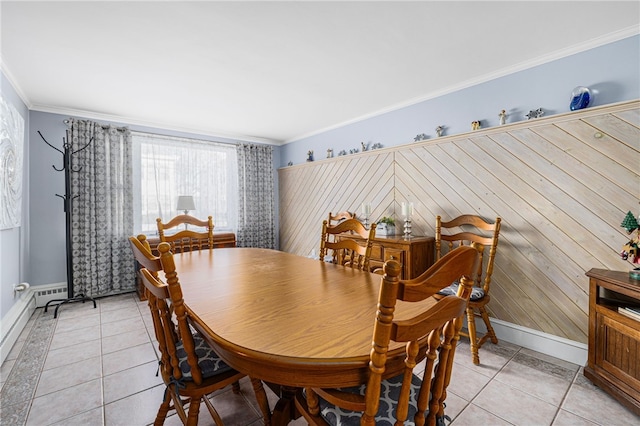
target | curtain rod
x=67, y=121
x=151, y=135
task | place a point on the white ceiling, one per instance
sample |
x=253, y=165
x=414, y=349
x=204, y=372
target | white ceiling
x=277, y=71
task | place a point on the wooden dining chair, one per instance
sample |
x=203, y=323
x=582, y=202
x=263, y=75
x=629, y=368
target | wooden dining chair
x=471, y=229
x=190, y=368
x=432, y=335
x=186, y=239
x=347, y=251
x=339, y=217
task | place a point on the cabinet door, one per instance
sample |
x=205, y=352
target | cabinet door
x=618, y=349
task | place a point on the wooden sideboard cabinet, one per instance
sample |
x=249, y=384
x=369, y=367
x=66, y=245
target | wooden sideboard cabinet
x=415, y=254
x=220, y=240
x=614, y=339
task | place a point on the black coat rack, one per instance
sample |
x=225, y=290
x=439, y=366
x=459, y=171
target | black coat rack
x=67, y=198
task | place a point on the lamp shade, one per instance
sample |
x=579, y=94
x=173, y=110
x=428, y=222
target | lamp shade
x=185, y=202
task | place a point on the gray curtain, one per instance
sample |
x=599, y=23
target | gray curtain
x=256, y=222
x=102, y=213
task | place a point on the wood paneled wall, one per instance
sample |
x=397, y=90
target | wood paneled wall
x=561, y=184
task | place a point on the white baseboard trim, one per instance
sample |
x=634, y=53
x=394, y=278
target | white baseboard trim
x=15, y=320
x=548, y=344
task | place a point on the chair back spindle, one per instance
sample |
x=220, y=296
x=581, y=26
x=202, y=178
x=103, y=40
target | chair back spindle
x=186, y=239
x=431, y=334
x=347, y=252
x=473, y=230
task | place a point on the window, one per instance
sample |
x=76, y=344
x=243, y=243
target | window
x=165, y=167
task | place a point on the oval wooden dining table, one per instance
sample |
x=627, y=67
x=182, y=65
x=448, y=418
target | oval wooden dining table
x=286, y=319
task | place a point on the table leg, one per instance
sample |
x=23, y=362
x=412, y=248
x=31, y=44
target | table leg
x=285, y=409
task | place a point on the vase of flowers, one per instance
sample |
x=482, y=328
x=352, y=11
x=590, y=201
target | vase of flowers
x=386, y=226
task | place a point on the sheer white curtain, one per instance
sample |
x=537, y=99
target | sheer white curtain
x=166, y=167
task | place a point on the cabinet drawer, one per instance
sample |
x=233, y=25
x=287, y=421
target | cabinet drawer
x=377, y=252
x=397, y=255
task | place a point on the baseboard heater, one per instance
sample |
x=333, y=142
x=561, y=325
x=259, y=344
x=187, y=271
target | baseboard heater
x=47, y=294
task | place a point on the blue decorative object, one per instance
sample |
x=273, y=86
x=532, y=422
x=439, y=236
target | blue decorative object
x=580, y=98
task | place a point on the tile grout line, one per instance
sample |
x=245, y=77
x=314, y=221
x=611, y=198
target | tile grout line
x=508, y=360
x=564, y=397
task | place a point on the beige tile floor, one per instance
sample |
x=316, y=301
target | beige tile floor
x=98, y=367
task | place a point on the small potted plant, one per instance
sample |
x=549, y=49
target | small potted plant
x=386, y=226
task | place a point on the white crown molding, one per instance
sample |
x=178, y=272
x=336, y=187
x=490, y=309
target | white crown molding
x=125, y=121
x=558, y=54
x=14, y=83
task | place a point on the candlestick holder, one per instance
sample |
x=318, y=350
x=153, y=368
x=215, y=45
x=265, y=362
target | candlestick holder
x=366, y=212
x=407, y=227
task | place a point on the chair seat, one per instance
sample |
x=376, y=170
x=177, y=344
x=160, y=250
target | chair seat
x=476, y=294
x=209, y=361
x=390, y=391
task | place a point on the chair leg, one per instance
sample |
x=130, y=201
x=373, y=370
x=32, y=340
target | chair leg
x=312, y=402
x=487, y=323
x=261, y=397
x=212, y=411
x=473, y=341
x=164, y=409
x=194, y=410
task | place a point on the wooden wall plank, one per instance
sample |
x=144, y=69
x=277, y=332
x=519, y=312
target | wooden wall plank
x=561, y=190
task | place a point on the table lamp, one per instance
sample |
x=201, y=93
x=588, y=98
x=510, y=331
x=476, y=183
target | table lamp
x=185, y=203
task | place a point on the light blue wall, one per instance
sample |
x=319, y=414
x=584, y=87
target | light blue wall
x=14, y=242
x=611, y=70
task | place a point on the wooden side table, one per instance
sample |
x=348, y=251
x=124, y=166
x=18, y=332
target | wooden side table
x=415, y=254
x=614, y=339
x=220, y=240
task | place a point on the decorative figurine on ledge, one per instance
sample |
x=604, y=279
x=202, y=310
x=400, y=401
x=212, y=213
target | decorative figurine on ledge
x=475, y=125
x=310, y=155
x=535, y=114
x=342, y=152
x=365, y=147
x=503, y=117
x=290, y=163
x=376, y=145
x=420, y=137
x=439, y=131
x=580, y=98
x=329, y=153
